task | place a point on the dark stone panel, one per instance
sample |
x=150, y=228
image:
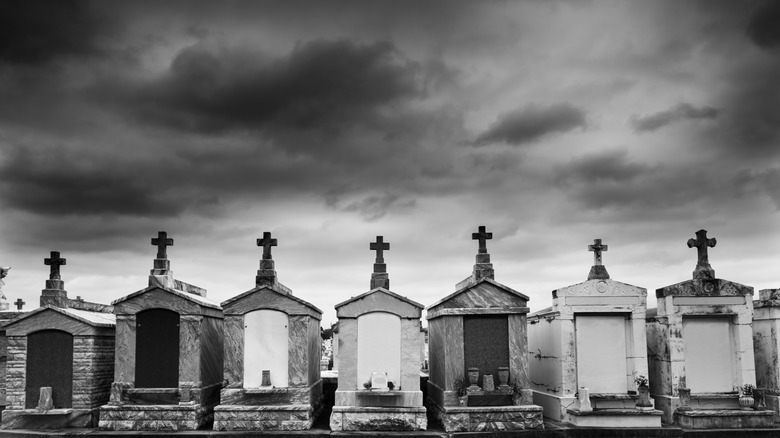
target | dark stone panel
x=157, y=349
x=49, y=363
x=211, y=351
x=490, y=400
x=486, y=345
x=152, y=398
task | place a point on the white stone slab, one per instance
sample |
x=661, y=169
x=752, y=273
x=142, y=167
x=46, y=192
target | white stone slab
x=708, y=354
x=266, y=337
x=378, y=346
x=601, y=353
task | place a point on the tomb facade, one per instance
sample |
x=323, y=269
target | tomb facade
x=477, y=354
x=272, y=356
x=60, y=360
x=169, y=354
x=700, y=350
x=588, y=353
x=378, y=358
x=766, y=326
x=6, y=315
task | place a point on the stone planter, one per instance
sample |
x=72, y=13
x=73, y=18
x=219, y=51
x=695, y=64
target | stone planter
x=644, y=398
x=746, y=402
x=503, y=377
x=473, y=379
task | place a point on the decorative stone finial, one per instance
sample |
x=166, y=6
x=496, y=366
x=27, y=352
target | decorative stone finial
x=266, y=274
x=482, y=268
x=703, y=268
x=162, y=265
x=380, y=278
x=54, y=294
x=597, y=271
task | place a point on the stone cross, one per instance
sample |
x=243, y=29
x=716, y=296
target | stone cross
x=162, y=241
x=379, y=246
x=19, y=303
x=482, y=236
x=597, y=248
x=79, y=299
x=55, y=262
x=266, y=242
x=703, y=268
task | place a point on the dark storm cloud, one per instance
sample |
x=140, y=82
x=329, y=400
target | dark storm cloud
x=679, y=113
x=527, y=124
x=321, y=84
x=373, y=207
x=607, y=166
x=763, y=28
x=766, y=182
x=38, y=31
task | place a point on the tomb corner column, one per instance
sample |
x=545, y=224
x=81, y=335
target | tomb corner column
x=568, y=357
x=124, y=359
x=16, y=372
x=410, y=354
x=234, y=350
x=297, y=365
x=189, y=350
x=347, y=354
x=518, y=351
x=453, y=351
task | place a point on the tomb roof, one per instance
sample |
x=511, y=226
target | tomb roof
x=704, y=287
x=379, y=299
x=280, y=295
x=203, y=301
x=483, y=299
x=95, y=319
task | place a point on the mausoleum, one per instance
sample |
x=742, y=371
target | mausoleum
x=60, y=360
x=478, y=352
x=588, y=353
x=700, y=350
x=272, y=356
x=378, y=358
x=169, y=354
x=766, y=342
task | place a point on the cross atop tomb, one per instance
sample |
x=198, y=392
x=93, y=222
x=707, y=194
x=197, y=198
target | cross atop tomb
x=379, y=246
x=597, y=248
x=19, y=304
x=703, y=268
x=483, y=236
x=162, y=241
x=55, y=261
x=266, y=242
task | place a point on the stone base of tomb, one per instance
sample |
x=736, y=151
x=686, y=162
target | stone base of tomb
x=155, y=417
x=615, y=418
x=51, y=419
x=773, y=404
x=723, y=419
x=488, y=418
x=362, y=418
x=292, y=417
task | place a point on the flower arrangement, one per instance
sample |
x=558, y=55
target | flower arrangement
x=460, y=387
x=747, y=389
x=367, y=384
x=390, y=385
x=641, y=380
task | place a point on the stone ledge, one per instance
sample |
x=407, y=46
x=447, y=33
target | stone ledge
x=352, y=418
x=723, y=412
x=615, y=412
x=723, y=419
x=250, y=408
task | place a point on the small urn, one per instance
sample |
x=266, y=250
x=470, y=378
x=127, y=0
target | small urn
x=473, y=379
x=266, y=378
x=487, y=383
x=503, y=377
x=643, y=403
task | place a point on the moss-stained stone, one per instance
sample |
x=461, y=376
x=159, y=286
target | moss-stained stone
x=378, y=419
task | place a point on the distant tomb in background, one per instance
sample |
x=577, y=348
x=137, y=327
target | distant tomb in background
x=169, y=354
x=65, y=346
x=700, y=349
x=592, y=338
x=478, y=354
x=5, y=316
x=378, y=332
x=272, y=356
x=766, y=342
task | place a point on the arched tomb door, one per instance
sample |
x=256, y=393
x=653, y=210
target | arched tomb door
x=266, y=336
x=49, y=363
x=157, y=349
x=379, y=347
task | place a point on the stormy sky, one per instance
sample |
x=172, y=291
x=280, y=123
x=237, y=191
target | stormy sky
x=329, y=123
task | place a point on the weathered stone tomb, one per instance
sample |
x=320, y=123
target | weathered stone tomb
x=766, y=343
x=478, y=354
x=60, y=360
x=379, y=358
x=588, y=352
x=272, y=356
x=700, y=350
x=169, y=354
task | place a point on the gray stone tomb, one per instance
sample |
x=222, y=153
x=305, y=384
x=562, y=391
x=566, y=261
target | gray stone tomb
x=700, y=349
x=378, y=332
x=60, y=360
x=169, y=354
x=766, y=342
x=478, y=354
x=272, y=356
x=587, y=350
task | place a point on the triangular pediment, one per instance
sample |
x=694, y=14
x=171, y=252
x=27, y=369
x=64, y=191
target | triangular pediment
x=268, y=297
x=379, y=300
x=483, y=294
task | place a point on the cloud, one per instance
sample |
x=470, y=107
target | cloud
x=524, y=125
x=38, y=31
x=763, y=27
x=373, y=207
x=679, y=113
x=611, y=165
x=322, y=84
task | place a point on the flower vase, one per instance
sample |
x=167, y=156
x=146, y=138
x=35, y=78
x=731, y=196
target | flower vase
x=644, y=398
x=503, y=377
x=746, y=402
x=473, y=379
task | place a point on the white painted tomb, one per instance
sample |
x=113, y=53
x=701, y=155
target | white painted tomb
x=700, y=350
x=378, y=340
x=592, y=341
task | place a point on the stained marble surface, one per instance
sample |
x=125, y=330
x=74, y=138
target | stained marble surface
x=298, y=372
x=234, y=350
